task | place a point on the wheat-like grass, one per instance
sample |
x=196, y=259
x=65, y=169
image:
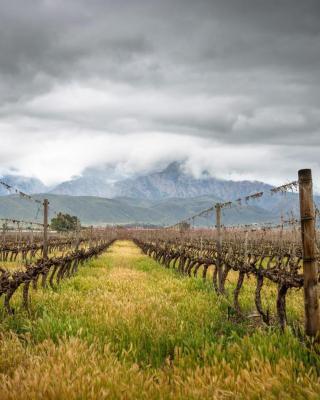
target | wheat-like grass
x=126, y=328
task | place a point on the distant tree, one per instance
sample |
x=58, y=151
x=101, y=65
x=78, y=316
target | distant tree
x=5, y=227
x=64, y=222
x=184, y=226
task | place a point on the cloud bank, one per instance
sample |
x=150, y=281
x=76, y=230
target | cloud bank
x=227, y=86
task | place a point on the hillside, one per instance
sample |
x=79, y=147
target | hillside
x=97, y=210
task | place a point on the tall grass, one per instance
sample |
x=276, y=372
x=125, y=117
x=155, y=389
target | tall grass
x=125, y=328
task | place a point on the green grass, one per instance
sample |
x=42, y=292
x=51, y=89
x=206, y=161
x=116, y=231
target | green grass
x=126, y=328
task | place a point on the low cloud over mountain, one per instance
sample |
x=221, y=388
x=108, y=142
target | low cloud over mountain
x=165, y=195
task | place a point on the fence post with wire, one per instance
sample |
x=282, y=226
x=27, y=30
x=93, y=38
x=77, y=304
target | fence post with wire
x=45, y=228
x=310, y=267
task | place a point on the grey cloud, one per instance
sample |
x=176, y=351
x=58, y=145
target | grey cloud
x=170, y=65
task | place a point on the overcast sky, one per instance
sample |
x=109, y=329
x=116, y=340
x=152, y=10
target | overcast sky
x=231, y=86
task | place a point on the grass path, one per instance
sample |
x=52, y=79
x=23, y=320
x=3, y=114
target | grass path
x=125, y=328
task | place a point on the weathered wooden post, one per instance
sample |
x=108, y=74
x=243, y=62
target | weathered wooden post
x=310, y=270
x=246, y=244
x=281, y=228
x=45, y=228
x=91, y=236
x=219, y=244
x=77, y=235
x=4, y=229
x=19, y=233
x=31, y=236
x=31, y=241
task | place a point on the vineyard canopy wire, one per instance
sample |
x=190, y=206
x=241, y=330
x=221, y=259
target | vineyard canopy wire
x=234, y=204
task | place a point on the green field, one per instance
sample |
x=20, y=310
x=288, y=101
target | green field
x=126, y=328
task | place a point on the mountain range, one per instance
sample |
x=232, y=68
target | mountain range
x=171, y=182
x=162, y=197
x=25, y=184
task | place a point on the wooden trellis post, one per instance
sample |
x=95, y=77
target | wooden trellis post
x=19, y=234
x=219, y=245
x=310, y=268
x=77, y=235
x=91, y=236
x=4, y=229
x=45, y=228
